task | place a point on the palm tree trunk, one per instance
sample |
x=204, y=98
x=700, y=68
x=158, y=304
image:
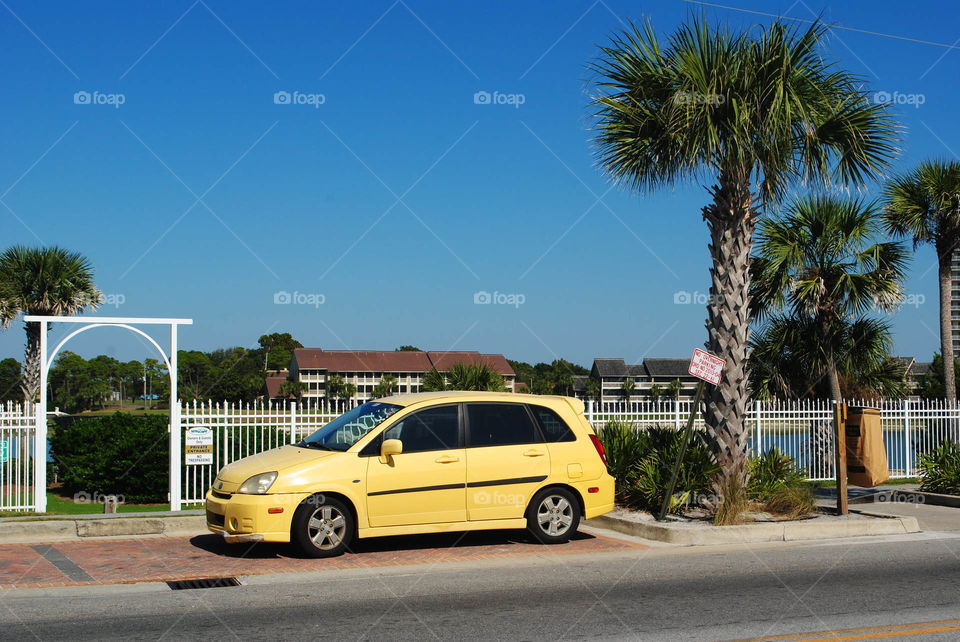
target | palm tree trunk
x=834, y=377
x=946, y=325
x=30, y=380
x=731, y=221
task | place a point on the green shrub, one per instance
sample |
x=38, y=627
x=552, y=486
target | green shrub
x=940, y=469
x=119, y=454
x=772, y=471
x=641, y=461
x=779, y=485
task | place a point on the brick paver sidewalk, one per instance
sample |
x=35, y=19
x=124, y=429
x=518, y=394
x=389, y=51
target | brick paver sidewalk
x=113, y=561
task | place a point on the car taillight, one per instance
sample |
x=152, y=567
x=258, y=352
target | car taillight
x=599, y=446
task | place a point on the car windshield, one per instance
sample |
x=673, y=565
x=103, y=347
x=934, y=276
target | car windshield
x=350, y=427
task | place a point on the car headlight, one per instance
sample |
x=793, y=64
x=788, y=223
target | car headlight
x=258, y=484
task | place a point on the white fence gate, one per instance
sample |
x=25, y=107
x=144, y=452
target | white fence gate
x=242, y=429
x=17, y=450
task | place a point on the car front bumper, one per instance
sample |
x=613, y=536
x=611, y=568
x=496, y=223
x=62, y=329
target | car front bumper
x=251, y=518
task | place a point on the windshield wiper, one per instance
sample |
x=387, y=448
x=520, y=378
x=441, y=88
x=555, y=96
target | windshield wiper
x=314, y=444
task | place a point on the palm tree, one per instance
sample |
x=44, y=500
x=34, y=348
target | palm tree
x=925, y=204
x=676, y=387
x=656, y=391
x=385, y=387
x=464, y=376
x=45, y=281
x=823, y=261
x=788, y=359
x=626, y=389
x=292, y=388
x=594, y=389
x=754, y=113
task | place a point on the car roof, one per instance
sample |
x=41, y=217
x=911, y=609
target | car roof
x=467, y=395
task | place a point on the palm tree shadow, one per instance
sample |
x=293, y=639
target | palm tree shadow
x=268, y=550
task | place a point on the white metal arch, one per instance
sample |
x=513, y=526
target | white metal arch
x=46, y=361
x=53, y=354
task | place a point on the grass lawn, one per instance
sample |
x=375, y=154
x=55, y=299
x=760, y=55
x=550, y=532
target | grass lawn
x=60, y=505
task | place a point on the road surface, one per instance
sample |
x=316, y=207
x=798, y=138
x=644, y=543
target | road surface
x=867, y=588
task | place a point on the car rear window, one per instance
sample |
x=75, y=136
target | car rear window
x=554, y=428
x=500, y=424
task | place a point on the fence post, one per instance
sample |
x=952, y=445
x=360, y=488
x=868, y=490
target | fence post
x=293, y=422
x=590, y=412
x=906, y=438
x=676, y=413
x=759, y=428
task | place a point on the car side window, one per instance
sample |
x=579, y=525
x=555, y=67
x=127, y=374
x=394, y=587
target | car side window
x=500, y=424
x=431, y=429
x=554, y=428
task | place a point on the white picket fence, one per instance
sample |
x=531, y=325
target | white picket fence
x=802, y=429
x=17, y=437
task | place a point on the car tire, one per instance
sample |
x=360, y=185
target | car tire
x=553, y=516
x=322, y=527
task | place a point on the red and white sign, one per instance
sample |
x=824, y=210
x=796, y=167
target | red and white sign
x=706, y=366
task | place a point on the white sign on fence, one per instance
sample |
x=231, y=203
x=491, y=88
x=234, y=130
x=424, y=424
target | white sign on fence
x=198, y=446
x=706, y=366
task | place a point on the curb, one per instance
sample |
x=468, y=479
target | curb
x=769, y=532
x=58, y=530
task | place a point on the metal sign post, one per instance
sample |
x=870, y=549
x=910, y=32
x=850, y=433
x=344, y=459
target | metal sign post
x=840, y=455
x=707, y=368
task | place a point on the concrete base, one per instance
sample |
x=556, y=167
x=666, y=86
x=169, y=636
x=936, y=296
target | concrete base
x=687, y=534
x=38, y=530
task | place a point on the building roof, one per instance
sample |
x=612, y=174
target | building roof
x=391, y=361
x=443, y=361
x=667, y=367
x=273, y=386
x=617, y=368
x=361, y=360
x=921, y=368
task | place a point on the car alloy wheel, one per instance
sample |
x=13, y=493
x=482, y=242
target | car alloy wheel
x=555, y=515
x=326, y=528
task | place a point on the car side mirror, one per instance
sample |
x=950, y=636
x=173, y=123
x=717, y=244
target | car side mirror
x=389, y=448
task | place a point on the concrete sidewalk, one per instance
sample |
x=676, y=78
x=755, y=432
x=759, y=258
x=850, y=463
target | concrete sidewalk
x=58, y=528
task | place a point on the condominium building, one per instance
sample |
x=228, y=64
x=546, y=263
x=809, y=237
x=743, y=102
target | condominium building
x=612, y=373
x=365, y=368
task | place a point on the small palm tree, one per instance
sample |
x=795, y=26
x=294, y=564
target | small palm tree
x=433, y=381
x=479, y=376
x=822, y=260
x=44, y=281
x=656, y=391
x=924, y=204
x=626, y=389
x=675, y=387
x=293, y=389
x=385, y=387
x=594, y=389
x=752, y=112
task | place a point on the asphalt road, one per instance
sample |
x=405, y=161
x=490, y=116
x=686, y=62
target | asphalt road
x=662, y=593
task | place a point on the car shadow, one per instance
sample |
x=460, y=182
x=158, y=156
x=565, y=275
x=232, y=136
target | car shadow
x=397, y=543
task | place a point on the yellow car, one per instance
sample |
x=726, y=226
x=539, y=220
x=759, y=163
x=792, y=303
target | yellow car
x=420, y=463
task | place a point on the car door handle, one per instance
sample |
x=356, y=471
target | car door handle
x=533, y=453
x=446, y=459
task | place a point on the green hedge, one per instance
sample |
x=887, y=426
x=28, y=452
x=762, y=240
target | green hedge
x=119, y=454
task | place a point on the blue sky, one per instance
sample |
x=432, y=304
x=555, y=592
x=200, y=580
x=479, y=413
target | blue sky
x=384, y=210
